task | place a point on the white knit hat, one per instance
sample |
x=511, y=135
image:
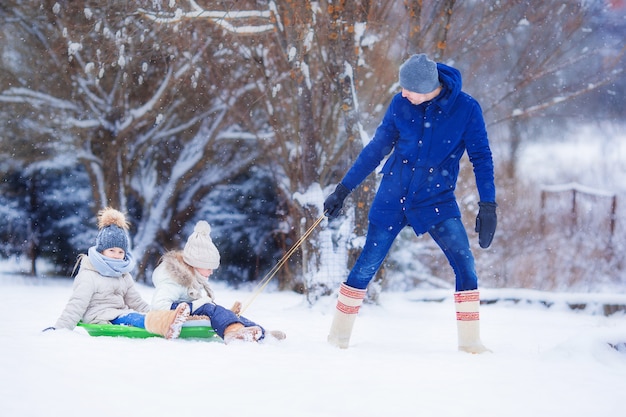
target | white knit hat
x=200, y=252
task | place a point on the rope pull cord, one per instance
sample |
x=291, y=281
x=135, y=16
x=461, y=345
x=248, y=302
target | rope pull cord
x=266, y=279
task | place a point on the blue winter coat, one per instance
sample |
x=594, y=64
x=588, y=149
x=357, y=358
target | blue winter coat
x=427, y=140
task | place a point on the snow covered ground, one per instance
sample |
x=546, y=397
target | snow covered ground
x=402, y=362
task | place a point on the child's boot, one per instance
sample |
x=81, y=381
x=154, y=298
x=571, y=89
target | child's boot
x=467, y=319
x=167, y=323
x=238, y=331
x=348, y=304
x=276, y=334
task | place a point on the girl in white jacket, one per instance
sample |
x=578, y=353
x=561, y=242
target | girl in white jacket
x=104, y=291
x=182, y=279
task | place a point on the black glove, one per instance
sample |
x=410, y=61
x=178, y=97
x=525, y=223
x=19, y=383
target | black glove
x=486, y=223
x=48, y=328
x=334, y=202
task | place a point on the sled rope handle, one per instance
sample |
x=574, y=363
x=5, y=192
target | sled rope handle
x=266, y=279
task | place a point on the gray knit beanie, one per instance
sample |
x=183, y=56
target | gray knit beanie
x=419, y=74
x=113, y=230
x=200, y=252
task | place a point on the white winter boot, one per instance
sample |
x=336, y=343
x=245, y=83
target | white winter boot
x=238, y=331
x=348, y=304
x=467, y=319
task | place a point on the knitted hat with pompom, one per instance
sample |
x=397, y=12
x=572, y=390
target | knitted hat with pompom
x=200, y=252
x=113, y=230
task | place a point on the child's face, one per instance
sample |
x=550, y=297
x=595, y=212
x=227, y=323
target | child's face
x=115, y=253
x=204, y=272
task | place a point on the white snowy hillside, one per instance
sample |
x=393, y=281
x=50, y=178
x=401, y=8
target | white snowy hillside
x=402, y=361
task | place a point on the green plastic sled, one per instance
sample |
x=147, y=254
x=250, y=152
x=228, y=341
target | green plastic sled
x=189, y=331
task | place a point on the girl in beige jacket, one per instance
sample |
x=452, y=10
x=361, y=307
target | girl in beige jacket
x=104, y=290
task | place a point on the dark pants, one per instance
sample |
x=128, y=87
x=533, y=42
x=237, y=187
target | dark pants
x=451, y=237
x=220, y=317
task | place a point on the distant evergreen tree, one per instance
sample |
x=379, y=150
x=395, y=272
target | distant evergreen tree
x=243, y=222
x=13, y=228
x=47, y=211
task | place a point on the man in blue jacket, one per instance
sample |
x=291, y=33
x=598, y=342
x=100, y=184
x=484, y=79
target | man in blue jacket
x=428, y=126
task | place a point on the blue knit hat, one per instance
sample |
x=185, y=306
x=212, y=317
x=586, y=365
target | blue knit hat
x=419, y=74
x=112, y=233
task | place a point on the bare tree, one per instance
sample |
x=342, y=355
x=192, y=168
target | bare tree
x=526, y=59
x=146, y=94
x=141, y=109
x=305, y=56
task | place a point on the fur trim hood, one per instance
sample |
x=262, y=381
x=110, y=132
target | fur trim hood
x=181, y=273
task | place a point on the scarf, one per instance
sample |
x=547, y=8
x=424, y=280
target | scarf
x=110, y=267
